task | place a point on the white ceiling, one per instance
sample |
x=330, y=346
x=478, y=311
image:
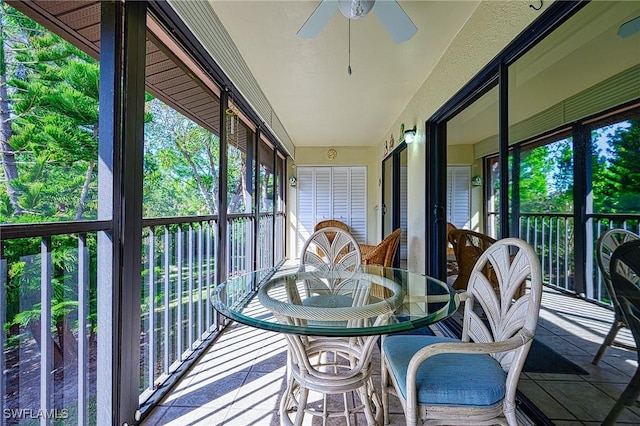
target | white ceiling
x=306, y=80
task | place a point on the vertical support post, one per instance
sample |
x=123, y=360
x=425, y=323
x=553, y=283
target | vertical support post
x=122, y=91
x=109, y=208
x=514, y=203
x=222, y=190
x=436, y=178
x=131, y=227
x=274, y=196
x=582, y=209
x=256, y=186
x=503, y=143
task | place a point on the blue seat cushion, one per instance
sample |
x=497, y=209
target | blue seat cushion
x=470, y=380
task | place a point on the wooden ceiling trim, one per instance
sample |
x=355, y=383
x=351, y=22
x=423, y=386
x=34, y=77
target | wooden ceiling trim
x=165, y=71
x=171, y=74
x=193, y=69
x=40, y=11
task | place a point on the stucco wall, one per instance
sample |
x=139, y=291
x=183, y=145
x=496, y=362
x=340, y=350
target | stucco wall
x=488, y=31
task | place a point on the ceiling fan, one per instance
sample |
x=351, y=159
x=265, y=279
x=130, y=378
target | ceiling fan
x=389, y=12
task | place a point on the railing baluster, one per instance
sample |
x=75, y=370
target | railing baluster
x=566, y=252
x=190, y=285
x=46, y=347
x=179, y=295
x=200, y=277
x=83, y=323
x=3, y=318
x=151, y=341
x=208, y=272
x=167, y=300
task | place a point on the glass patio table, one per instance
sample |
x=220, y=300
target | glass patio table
x=410, y=300
x=342, y=313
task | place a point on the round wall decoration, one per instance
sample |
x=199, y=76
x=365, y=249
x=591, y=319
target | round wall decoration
x=332, y=154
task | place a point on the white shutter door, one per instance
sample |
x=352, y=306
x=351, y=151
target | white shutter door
x=340, y=193
x=459, y=196
x=358, y=203
x=322, y=197
x=306, y=213
x=331, y=193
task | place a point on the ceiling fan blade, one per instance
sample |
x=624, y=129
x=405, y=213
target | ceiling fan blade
x=629, y=28
x=395, y=20
x=318, y=19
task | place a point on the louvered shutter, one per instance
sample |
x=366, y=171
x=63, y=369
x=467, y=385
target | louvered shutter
x=358, y=203
x=322, y=196
x=331, y=193
x=340, y=184
x=403, y=212
x=459, y=196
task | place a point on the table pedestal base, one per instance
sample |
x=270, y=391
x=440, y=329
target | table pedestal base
x=329, y=366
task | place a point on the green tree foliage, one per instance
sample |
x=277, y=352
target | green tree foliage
x=619, y=181
x=53, y=97
x=546, y=178
x=181, y=165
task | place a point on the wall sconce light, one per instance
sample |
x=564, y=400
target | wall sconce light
x=293, y=181
x=476, y=180
x=410, y=134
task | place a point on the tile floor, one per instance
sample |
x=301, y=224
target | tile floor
x=239, y=380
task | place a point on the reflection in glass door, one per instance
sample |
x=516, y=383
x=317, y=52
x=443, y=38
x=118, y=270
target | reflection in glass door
x=394, y=199
x=387, y=195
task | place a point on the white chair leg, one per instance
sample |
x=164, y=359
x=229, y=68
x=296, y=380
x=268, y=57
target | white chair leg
x=367, y=407
x=302, y=403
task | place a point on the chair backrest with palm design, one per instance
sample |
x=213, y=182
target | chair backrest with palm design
x=331, y=223
x=326, y=250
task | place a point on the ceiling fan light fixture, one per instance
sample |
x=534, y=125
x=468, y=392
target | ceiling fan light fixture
x=355, y=9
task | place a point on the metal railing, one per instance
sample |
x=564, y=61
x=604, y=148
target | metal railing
x=552, y=237
x=48, y=289
x=179, y=264
x=48, y=276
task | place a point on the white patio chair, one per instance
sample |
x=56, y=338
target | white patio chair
x=625, y=279
x=608, y=242
x=472, y=380
x=327, y=250
x=331, y=365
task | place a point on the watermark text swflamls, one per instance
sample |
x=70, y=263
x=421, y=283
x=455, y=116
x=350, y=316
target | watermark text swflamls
x=30, y=413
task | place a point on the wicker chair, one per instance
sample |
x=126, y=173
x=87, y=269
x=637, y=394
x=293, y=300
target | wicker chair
x=473, y=380
x=384, y=253
x=468, y=246
x=606, y=245
x=450, y=227
x=331, y=223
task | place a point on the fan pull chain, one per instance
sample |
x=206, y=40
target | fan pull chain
x=349, y=67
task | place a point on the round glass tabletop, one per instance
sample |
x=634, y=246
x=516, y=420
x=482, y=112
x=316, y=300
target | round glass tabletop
x=371, y=301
